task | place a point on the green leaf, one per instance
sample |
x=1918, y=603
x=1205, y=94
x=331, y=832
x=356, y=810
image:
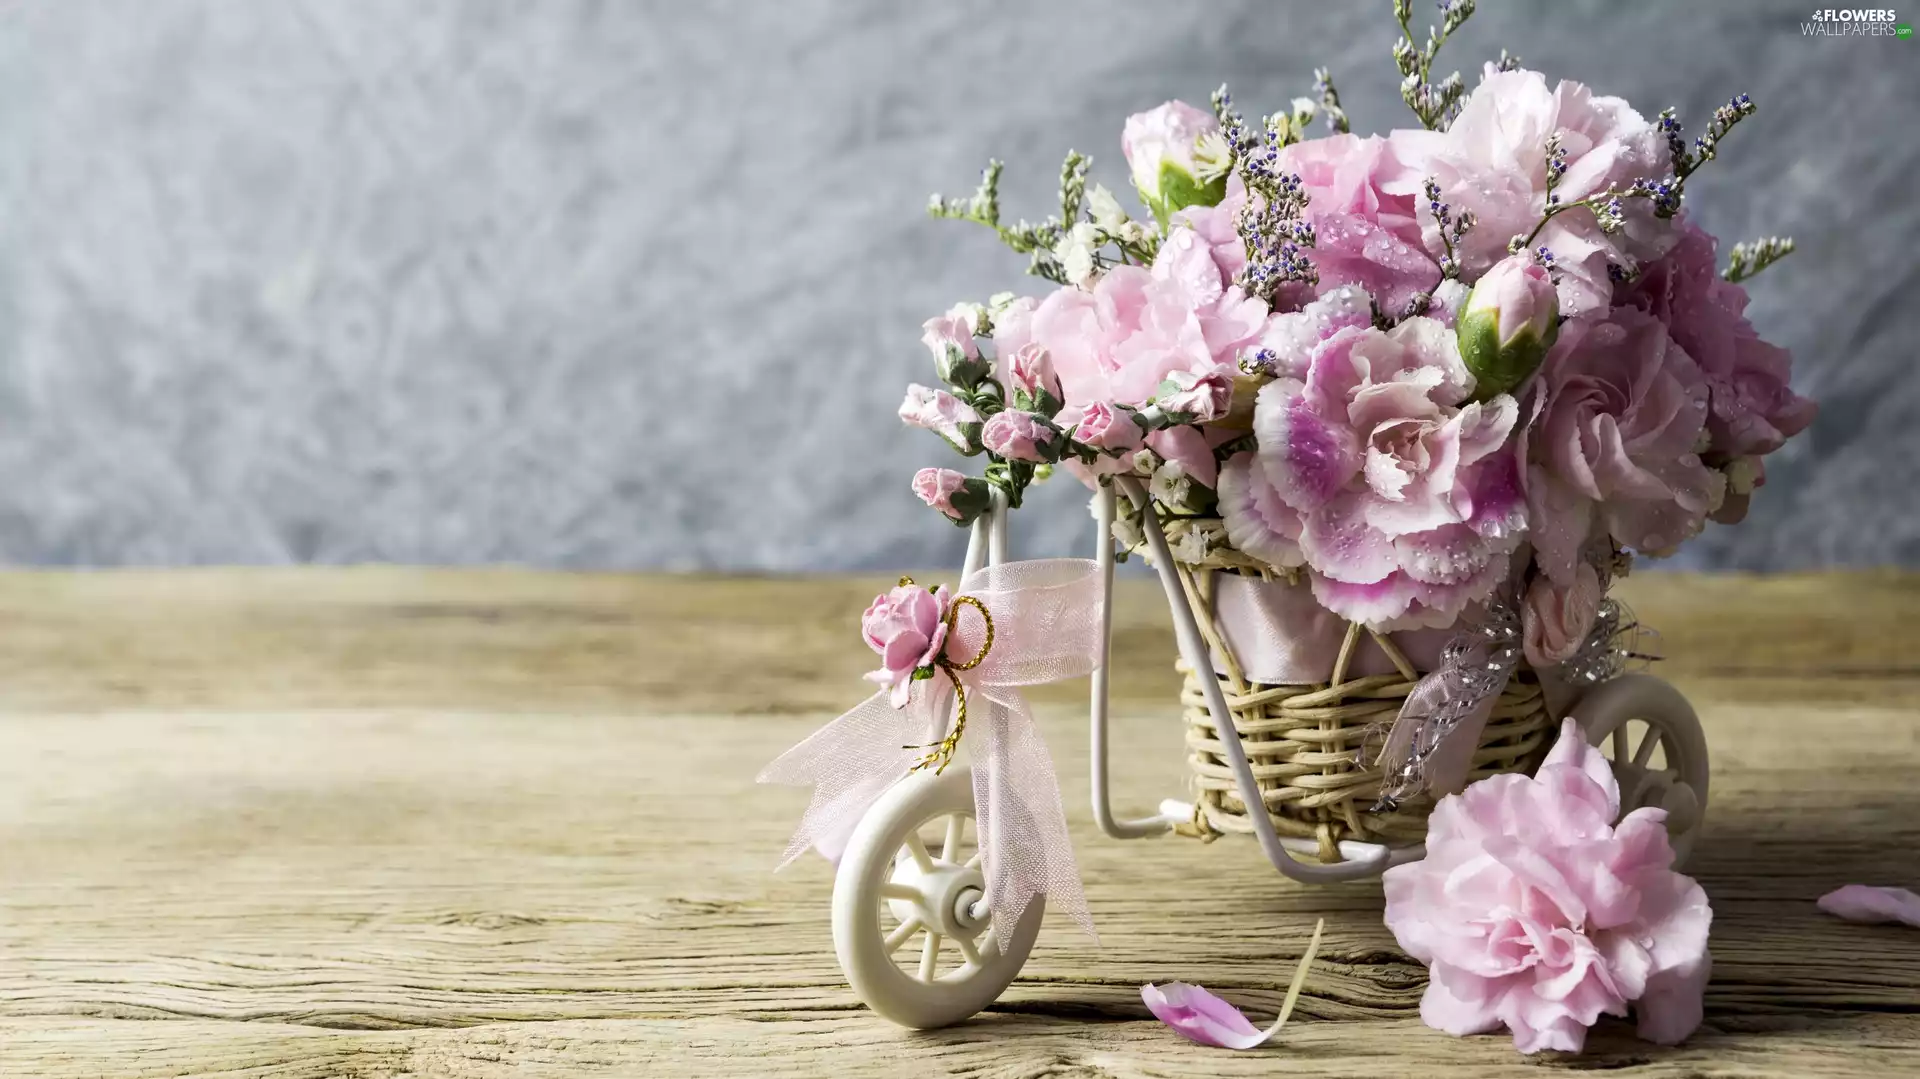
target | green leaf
x=1179, y=189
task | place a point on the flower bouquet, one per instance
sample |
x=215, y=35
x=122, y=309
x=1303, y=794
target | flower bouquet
x=1403, y=405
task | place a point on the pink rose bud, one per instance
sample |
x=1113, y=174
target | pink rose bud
x=959, y=496
x=1031, y=370
x=1101, y=426
x=1510, y=320
x=943, y=414
x=1197, y=397
x=1020, y=436
x=1555, y=621
x=1177, y=156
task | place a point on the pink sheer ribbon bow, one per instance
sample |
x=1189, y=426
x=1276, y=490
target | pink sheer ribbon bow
x=1047, y=622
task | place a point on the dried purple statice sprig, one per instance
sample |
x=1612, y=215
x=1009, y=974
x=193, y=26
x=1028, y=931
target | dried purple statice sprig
x=1452, y=228
x=1665, y=194
x=1435, y=104
x=1270, y=224
x=1330, y=110
x=1748, y=259
x=1543, y=257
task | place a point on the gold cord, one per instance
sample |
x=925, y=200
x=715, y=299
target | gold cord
x=942, y=751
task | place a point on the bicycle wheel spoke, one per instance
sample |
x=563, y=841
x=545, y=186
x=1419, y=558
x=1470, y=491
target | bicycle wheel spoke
x=974, y=862
x=956, y=825
x=918, y=849
x=1620, y=747
x=967, y=949
x=893, y=889
x=903, y=933
x=1649, y=743
x=929, y=956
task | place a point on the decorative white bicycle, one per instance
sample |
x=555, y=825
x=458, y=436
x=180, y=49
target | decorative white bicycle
x=911, y=921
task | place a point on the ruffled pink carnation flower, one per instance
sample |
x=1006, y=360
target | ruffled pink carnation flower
x=1753, y=410
x=1618, y=415
x=908, y=628
x=1361, y=202
x=1118, y=341
x=1401, y=497
x=1492, y=161
x=937, y=486
x=1535, y=912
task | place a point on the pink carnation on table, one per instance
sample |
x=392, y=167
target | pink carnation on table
x=1492, y=161
x=1361, y=202
x=1618, y=413
x=1753, y=408
x=1406, y=495
x=1535, y=912
x=1118, y=341
x=907, y=627
x=1867, y=903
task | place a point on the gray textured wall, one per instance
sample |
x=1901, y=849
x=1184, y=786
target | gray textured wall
x=639, y=284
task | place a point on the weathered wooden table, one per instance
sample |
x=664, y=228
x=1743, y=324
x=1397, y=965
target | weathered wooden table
x=394, y=823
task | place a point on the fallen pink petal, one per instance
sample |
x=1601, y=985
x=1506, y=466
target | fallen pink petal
x=1870, y=904
x=1202, y=1017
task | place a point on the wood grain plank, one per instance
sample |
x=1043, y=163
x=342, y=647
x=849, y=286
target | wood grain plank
x=262, y=863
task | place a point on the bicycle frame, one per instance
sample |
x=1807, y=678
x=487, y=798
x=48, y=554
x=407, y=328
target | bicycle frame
x=987, y=545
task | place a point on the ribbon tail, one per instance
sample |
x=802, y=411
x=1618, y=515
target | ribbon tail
x=1452, y=759
x=1443, y=757
x=849, y=763
x=1022, y=824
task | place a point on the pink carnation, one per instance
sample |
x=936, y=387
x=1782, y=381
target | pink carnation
x=1294, y=336
x=1200, y=395
x=1018, y=436
x=1535, y=912
x=1492, y=162
x=1120, y=340
x=1030, y=371
x=1361, y=202
x=1100, y=425
x=1752, y=410
x=940, y=412
x=937, y=486
x=908, y=628
x=955, y=329
x=1618, y=414
x=1407, y=496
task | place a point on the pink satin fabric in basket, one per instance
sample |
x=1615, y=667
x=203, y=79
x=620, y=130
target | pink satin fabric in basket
x=1280, y=634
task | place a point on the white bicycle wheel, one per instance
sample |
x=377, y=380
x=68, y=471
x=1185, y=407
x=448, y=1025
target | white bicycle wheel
x=909, y=917
x=1652, y=737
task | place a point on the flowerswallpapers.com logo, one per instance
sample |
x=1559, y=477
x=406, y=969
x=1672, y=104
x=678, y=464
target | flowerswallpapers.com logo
x=1855, y=22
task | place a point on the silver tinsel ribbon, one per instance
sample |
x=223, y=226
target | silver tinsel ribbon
x=1475, y=666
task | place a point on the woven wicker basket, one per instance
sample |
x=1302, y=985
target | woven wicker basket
x=1304, y=742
